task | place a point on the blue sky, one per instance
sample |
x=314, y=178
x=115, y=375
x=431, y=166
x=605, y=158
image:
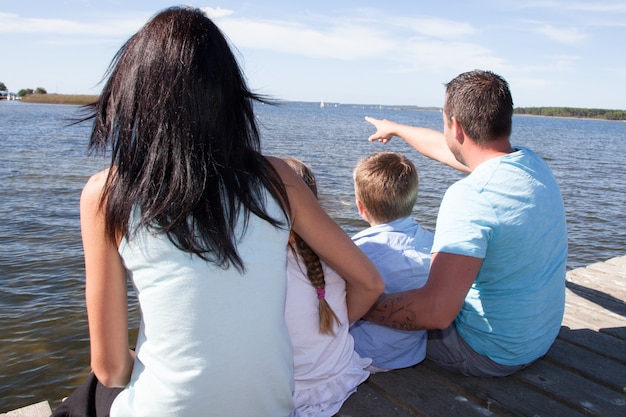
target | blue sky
x=553, y=53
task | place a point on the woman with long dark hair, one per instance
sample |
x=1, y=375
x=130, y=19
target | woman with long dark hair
x=199, y=220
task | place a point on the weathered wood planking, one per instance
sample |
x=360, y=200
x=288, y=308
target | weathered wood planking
x=41, y=409
x=583, y=374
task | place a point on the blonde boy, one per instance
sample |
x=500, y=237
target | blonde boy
x=385, y=187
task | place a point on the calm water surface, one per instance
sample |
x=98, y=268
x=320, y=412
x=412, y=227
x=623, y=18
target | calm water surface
x=44, y=346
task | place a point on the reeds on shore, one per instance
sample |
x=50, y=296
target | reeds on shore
x=59, y=99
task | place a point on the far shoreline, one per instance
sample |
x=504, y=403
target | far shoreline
x=567, y=117
x=83, y=100
x=73, y=99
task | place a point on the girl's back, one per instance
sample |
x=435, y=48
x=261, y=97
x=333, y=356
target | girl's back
x=326, y=367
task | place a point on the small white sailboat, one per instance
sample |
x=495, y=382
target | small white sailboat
x=322, y=105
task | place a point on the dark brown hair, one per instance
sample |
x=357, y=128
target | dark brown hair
x=185, y=148
x=482, y=103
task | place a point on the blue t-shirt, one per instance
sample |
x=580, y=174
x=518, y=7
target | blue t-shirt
x=401, y=251
x=509, y=212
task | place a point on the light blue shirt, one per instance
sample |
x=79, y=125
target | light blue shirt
x=401, y=252
x=509, y=212
x=212, y=341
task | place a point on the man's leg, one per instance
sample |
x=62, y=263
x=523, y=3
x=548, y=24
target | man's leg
x=447, y=349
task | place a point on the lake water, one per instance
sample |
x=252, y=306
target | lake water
x=44, y=346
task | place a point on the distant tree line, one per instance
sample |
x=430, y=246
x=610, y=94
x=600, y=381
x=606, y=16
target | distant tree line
x=27, y=91
x=573, y=112
x=23, y=92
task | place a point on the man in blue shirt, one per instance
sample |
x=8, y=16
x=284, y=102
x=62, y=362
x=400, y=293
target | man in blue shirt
x=495, y=295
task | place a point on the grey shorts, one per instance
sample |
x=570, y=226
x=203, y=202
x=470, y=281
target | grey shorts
x=447, y=349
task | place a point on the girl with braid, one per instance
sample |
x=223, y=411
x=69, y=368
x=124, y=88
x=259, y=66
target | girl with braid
x=327, y=370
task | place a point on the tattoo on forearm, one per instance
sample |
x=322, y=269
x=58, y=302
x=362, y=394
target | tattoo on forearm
x=394, y=311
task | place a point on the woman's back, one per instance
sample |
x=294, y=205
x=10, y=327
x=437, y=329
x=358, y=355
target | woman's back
x=192, y=211
x=205, y=329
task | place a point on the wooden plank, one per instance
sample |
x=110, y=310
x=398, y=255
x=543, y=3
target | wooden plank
x=582, y=308
x=610, y=272
x=614, y=266
x=619, y=261
x=611, y=284
x=367, y=402
x=583, y=374
x=420, y=394
x=40, y=409
x=611, y=300
x=503, y=396
x=617, y=332
x=599, y=343
x=597, y=368
x=608, y=277
x=581, y=312
x=595, y=325
x=574, y=390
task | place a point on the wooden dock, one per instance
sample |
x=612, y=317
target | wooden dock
x=583, y=374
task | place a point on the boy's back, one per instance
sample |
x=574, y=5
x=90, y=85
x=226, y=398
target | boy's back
x=401, y=252
x=385, y=186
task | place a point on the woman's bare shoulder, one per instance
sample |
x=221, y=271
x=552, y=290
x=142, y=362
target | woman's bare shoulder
x=94, y=186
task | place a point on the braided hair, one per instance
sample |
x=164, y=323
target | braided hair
x=311, y=260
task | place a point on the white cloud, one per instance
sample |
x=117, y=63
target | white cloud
x=547, y=65
x=404, y=44
x=434, y=27
x=562, y=35
x=586, y=6
x=345, y=42
x=407, y=45
x=530, y=42
x=594, y=6
x=522, y=83
x=15, y=24
x=216, y=13
x=419, y=55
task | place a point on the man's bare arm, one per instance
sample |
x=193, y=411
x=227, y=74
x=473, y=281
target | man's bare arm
x=436, y=304
x=394, y=310
x=428, y=142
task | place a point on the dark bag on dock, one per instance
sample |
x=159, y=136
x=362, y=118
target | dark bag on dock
x=91, y=399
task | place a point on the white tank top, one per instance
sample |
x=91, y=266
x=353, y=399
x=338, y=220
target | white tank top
x=211, y=341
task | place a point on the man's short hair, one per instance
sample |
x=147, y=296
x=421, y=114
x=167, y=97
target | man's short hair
x=482, y=104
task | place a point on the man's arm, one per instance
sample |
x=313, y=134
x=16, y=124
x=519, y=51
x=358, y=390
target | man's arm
x=436, y=304
x=428, y=142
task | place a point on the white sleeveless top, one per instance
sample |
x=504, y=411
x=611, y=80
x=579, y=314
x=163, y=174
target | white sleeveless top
x=211, y=341
x=327, y=370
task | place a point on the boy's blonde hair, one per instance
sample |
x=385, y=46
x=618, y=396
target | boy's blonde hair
x=386, y=183
x=314, y=271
